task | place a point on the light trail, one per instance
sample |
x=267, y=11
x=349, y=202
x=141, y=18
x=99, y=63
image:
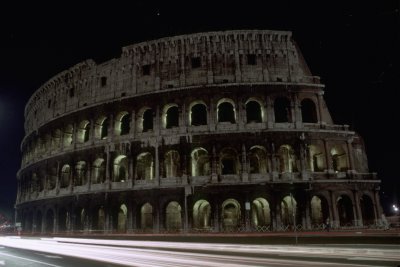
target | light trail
x=175, y=254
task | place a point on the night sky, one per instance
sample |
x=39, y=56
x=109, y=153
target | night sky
x=353, y=48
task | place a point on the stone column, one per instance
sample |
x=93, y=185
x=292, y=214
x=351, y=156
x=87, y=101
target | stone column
x=245, y=173
x=320, y=109
x=270, y=113
x=333, y=207
x=350, y=153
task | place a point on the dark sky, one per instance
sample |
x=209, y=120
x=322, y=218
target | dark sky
x=353, y=47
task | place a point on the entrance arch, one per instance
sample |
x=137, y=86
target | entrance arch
x=345, y=210
x=174, y=217
x=260, y=213
x=146, y=216
x=201, y=214
x=230, y=214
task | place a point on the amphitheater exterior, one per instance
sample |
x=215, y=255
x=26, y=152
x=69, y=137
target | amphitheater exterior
x=207, y=132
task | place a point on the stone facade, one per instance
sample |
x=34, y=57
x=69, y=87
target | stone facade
x=216, y=131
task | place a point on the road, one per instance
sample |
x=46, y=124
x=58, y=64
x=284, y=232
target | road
x=57, y=252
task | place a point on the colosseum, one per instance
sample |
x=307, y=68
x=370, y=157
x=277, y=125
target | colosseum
x=208, y=132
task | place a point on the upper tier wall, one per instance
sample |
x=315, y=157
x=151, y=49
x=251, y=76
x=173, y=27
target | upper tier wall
x=256, y=56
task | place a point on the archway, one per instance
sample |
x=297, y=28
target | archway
x=121, y=168
x=172, y=163
x=122, y=218
x=174, y=217
x=201, y=214
x=289, y=211
x=226, y=111
x=253, y=112
x=367, y=210
x=345, y=210
x=231, y=214
x=200, y=162
x=198, y=115
x=258, y=160
x=308, y=111
x=260, y=213
x=319, y=210
x=146, y=217
x=144, y=166
x=282, y=110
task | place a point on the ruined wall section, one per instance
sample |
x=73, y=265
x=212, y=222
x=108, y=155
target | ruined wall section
x=203, y=59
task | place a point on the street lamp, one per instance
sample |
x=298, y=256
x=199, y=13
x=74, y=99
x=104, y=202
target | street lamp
x=395, y=208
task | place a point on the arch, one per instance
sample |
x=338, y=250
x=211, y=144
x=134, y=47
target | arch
x=173, y=219
x=202, y=214
x=83, y=131
x=56, y=138
x=287, y=159
x=65, y=176
x=316, y=158
x=122, y=219
x=145, y=121
x=101, y=219
x=258, y=160
x=339, y=158
x=172, y=163
x=308, y=111
x=122, y=123
x=146, y=216
x=282, y=110
x=229, y=161
x=49, y=221
x=345, y=210
x=121, y=168
x=37, y=227
x=319, y=210
x=260, y=212
x=99, y=171
x=226, y=111
x=367, y=210
x=63, y=220
x=198, y=113
x=80, y=219
x=101, y=127
x=200, y=162
x=67, y=138
x=289, y=210
x=144, y=166
x=254, y=111
x=231, y=214
x=170, y=117
x=80, y=173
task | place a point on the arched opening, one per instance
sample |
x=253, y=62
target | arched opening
x=319, y=210
x=101, y=219
x=171, y=117
x=174, y=216
x=260, y=213
x=65, y=176
x=287, y=159
x=146, y=217
x=316, y=158
x=56, y=138
x=229, y=161
x=230, y=214
x=308, y=111
x=198, y=115
x=367, y=210
x=101, y=127
x=125, y=124
x=51, y=177
x=282, y=110
x=63, y=220
x=49, y=221
x=144, y=166
x=200, y=162
x=80, y=219
x=253, y=112
x=122, y=218
x=289, y=211
x=345, y=210
x=226, y=112
x=67, y=139
x=80, y=173
x=147, y=124
x=172, y=163
x=37, y=227
x=83, y=132
x=120, y=168
x=258, y=160
x=201, y=214
x=339, y=159
x=99, y=170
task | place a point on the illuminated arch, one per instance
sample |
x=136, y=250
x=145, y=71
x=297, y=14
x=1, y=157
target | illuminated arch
x=226, y=111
